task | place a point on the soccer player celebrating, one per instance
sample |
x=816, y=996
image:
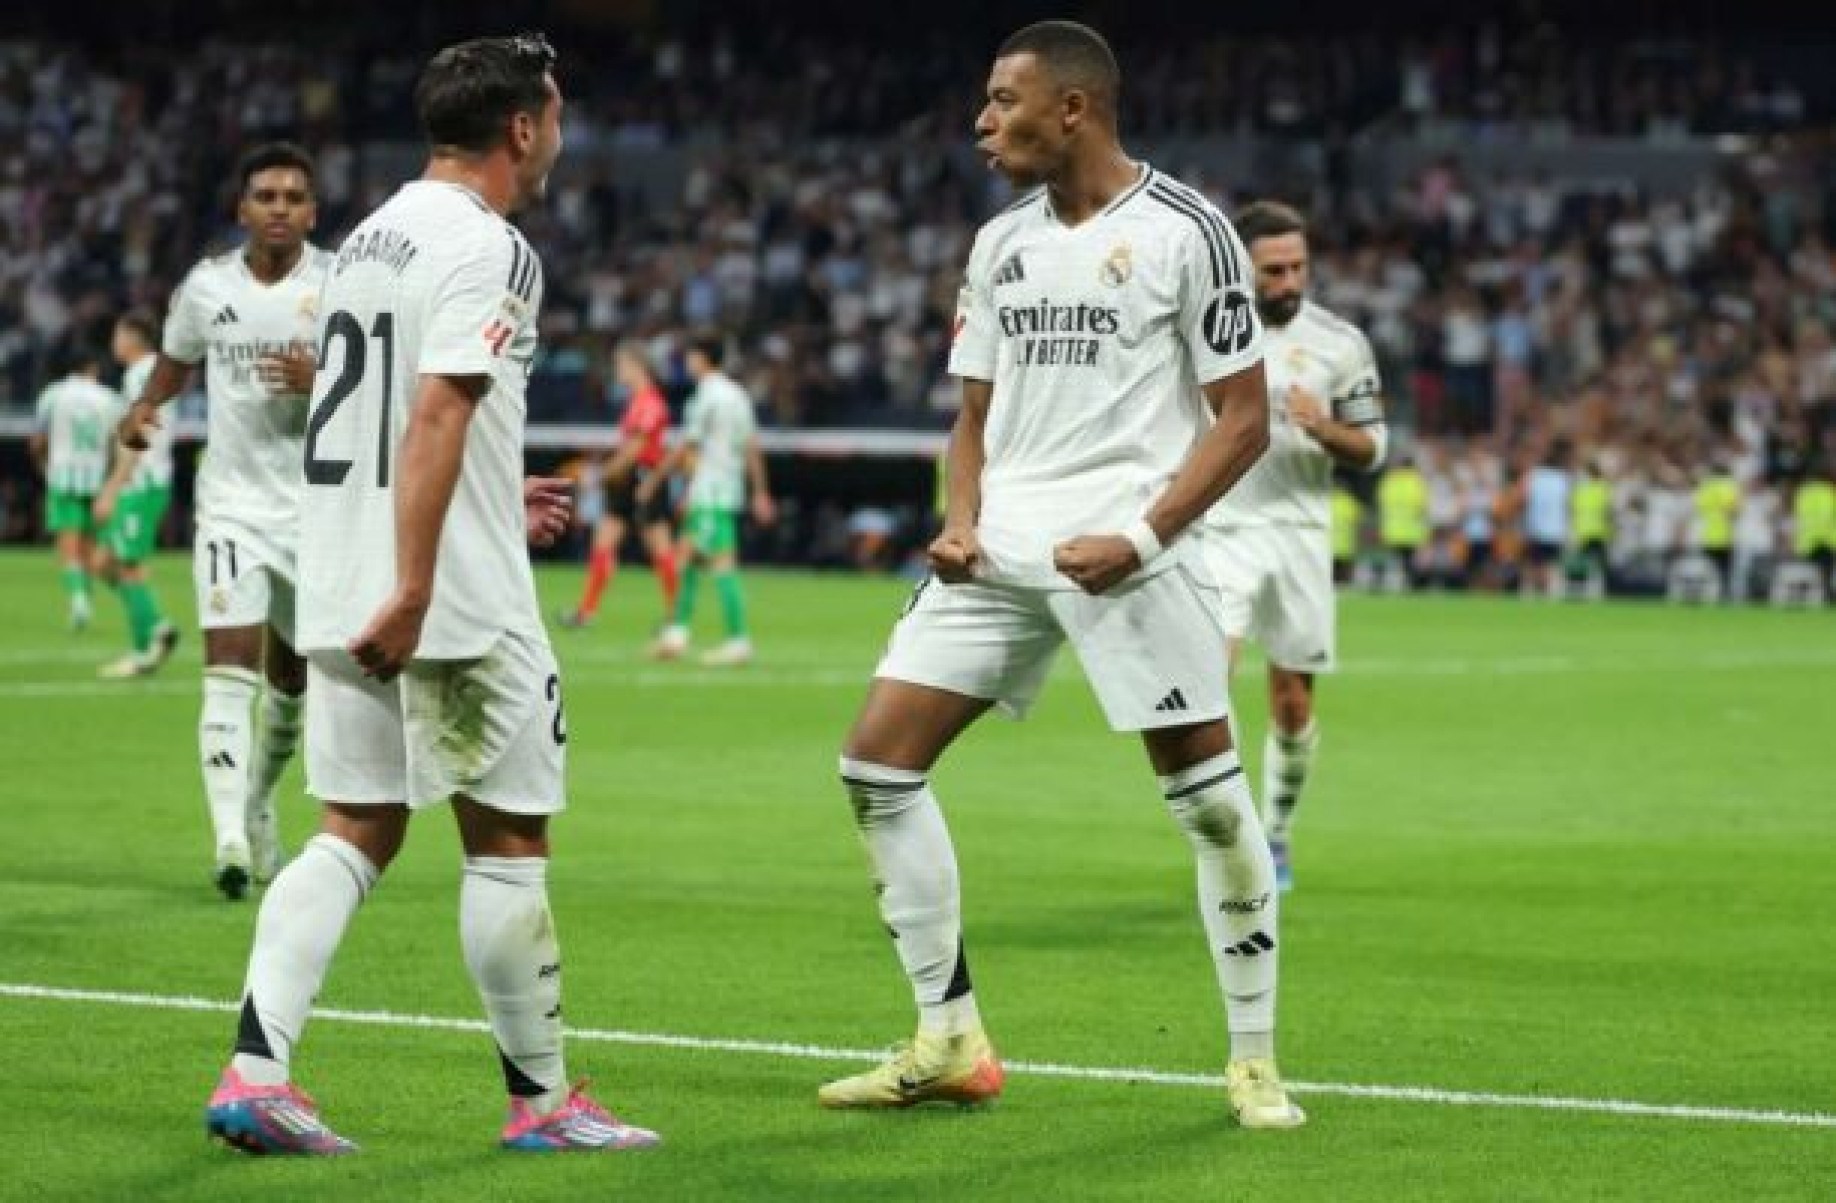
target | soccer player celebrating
x=641, y=450
x=130, y=508
x=432, y=678
x=1271, y=538
x=71, y=448
x=1104, y=319
x=253, y=313
x=721, y=434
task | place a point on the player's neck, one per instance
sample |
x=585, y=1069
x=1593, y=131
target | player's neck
x=1086, y=188
x=271, y=266
x=489, y=179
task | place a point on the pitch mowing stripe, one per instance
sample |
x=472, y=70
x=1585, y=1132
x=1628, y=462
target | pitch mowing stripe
x=814, y=1052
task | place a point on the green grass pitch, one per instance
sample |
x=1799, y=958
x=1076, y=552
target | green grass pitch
x=1550, y=852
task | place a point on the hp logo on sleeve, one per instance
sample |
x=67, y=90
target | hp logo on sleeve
x=1230, y=325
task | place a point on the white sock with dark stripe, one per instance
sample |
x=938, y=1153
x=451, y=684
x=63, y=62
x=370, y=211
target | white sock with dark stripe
x=224, y=740
x=1236, y=889
x=914, y=869
x=1286, y=760
x=515, y=961
x=303, y=918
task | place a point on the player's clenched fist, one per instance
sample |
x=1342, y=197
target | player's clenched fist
x=956, y=555
x=140, y=418
x=1096, y=563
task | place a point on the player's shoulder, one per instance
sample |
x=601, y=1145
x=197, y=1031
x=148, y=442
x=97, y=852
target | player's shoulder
x=1324, y=325
x=1170, y=200
x=1190, y=219
x=1027, y=211
x=212, y=270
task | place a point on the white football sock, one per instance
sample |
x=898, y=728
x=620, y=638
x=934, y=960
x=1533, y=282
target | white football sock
x=1236, y=888
x=1286, y=760
x=303, y=918
x=275, y=743
x=223, y=749
x=914, y=868
x=515, y=961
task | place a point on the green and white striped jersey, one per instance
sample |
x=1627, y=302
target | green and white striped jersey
x=78, y=415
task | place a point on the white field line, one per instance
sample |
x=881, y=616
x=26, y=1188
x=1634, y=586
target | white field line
x=811, y=1052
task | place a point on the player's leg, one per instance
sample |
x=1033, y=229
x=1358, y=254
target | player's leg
x=1299, y=631
x=723, y=560
x=492, y=734
x=958, y=650
x=67, y=517
x=659, y=543
x=1148, y=669
x=126, y=544
x=691, y=549
x=356, y=763
x=277, y=738
x=602, y=563
x=234, y=597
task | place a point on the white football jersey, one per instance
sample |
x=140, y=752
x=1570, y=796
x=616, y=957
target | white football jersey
x=222, y=314
x=1096, y=338
x=78, y=416
x=1291, y=485
x=720, y=422
x=434, y=283
x=154, y=471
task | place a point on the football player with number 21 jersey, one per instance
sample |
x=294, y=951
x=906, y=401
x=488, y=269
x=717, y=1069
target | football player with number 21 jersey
x=432, y=677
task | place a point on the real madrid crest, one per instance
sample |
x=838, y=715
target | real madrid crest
x=1118, y=266
x=219, y=599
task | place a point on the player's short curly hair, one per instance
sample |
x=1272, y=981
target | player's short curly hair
x=468, y=92
x=270, y=155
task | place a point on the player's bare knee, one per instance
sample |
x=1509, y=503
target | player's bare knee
x=234, y=647
x=376, y=831
x=487, y=831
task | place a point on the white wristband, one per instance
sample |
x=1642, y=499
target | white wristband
x=1147, y=543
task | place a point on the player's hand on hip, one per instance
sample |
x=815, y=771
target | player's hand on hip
x=548, y=507
x=136, y=424
x=103, y=507
x=387, y=644
x=288, y=373
x=1096, y=563
x=955, y=555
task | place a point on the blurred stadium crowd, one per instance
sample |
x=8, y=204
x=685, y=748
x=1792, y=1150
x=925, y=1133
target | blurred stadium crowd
x=821, y=216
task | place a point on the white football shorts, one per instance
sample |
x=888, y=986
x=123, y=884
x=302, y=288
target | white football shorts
x=1276, y=583
x=243, y=579
x=1152, y=649
x=492, y=729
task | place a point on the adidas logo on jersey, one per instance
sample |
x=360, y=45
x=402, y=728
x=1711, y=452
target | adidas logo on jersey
x=1172, y=702
x=222, y=760
x=1010, y=272
x=225, y=316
